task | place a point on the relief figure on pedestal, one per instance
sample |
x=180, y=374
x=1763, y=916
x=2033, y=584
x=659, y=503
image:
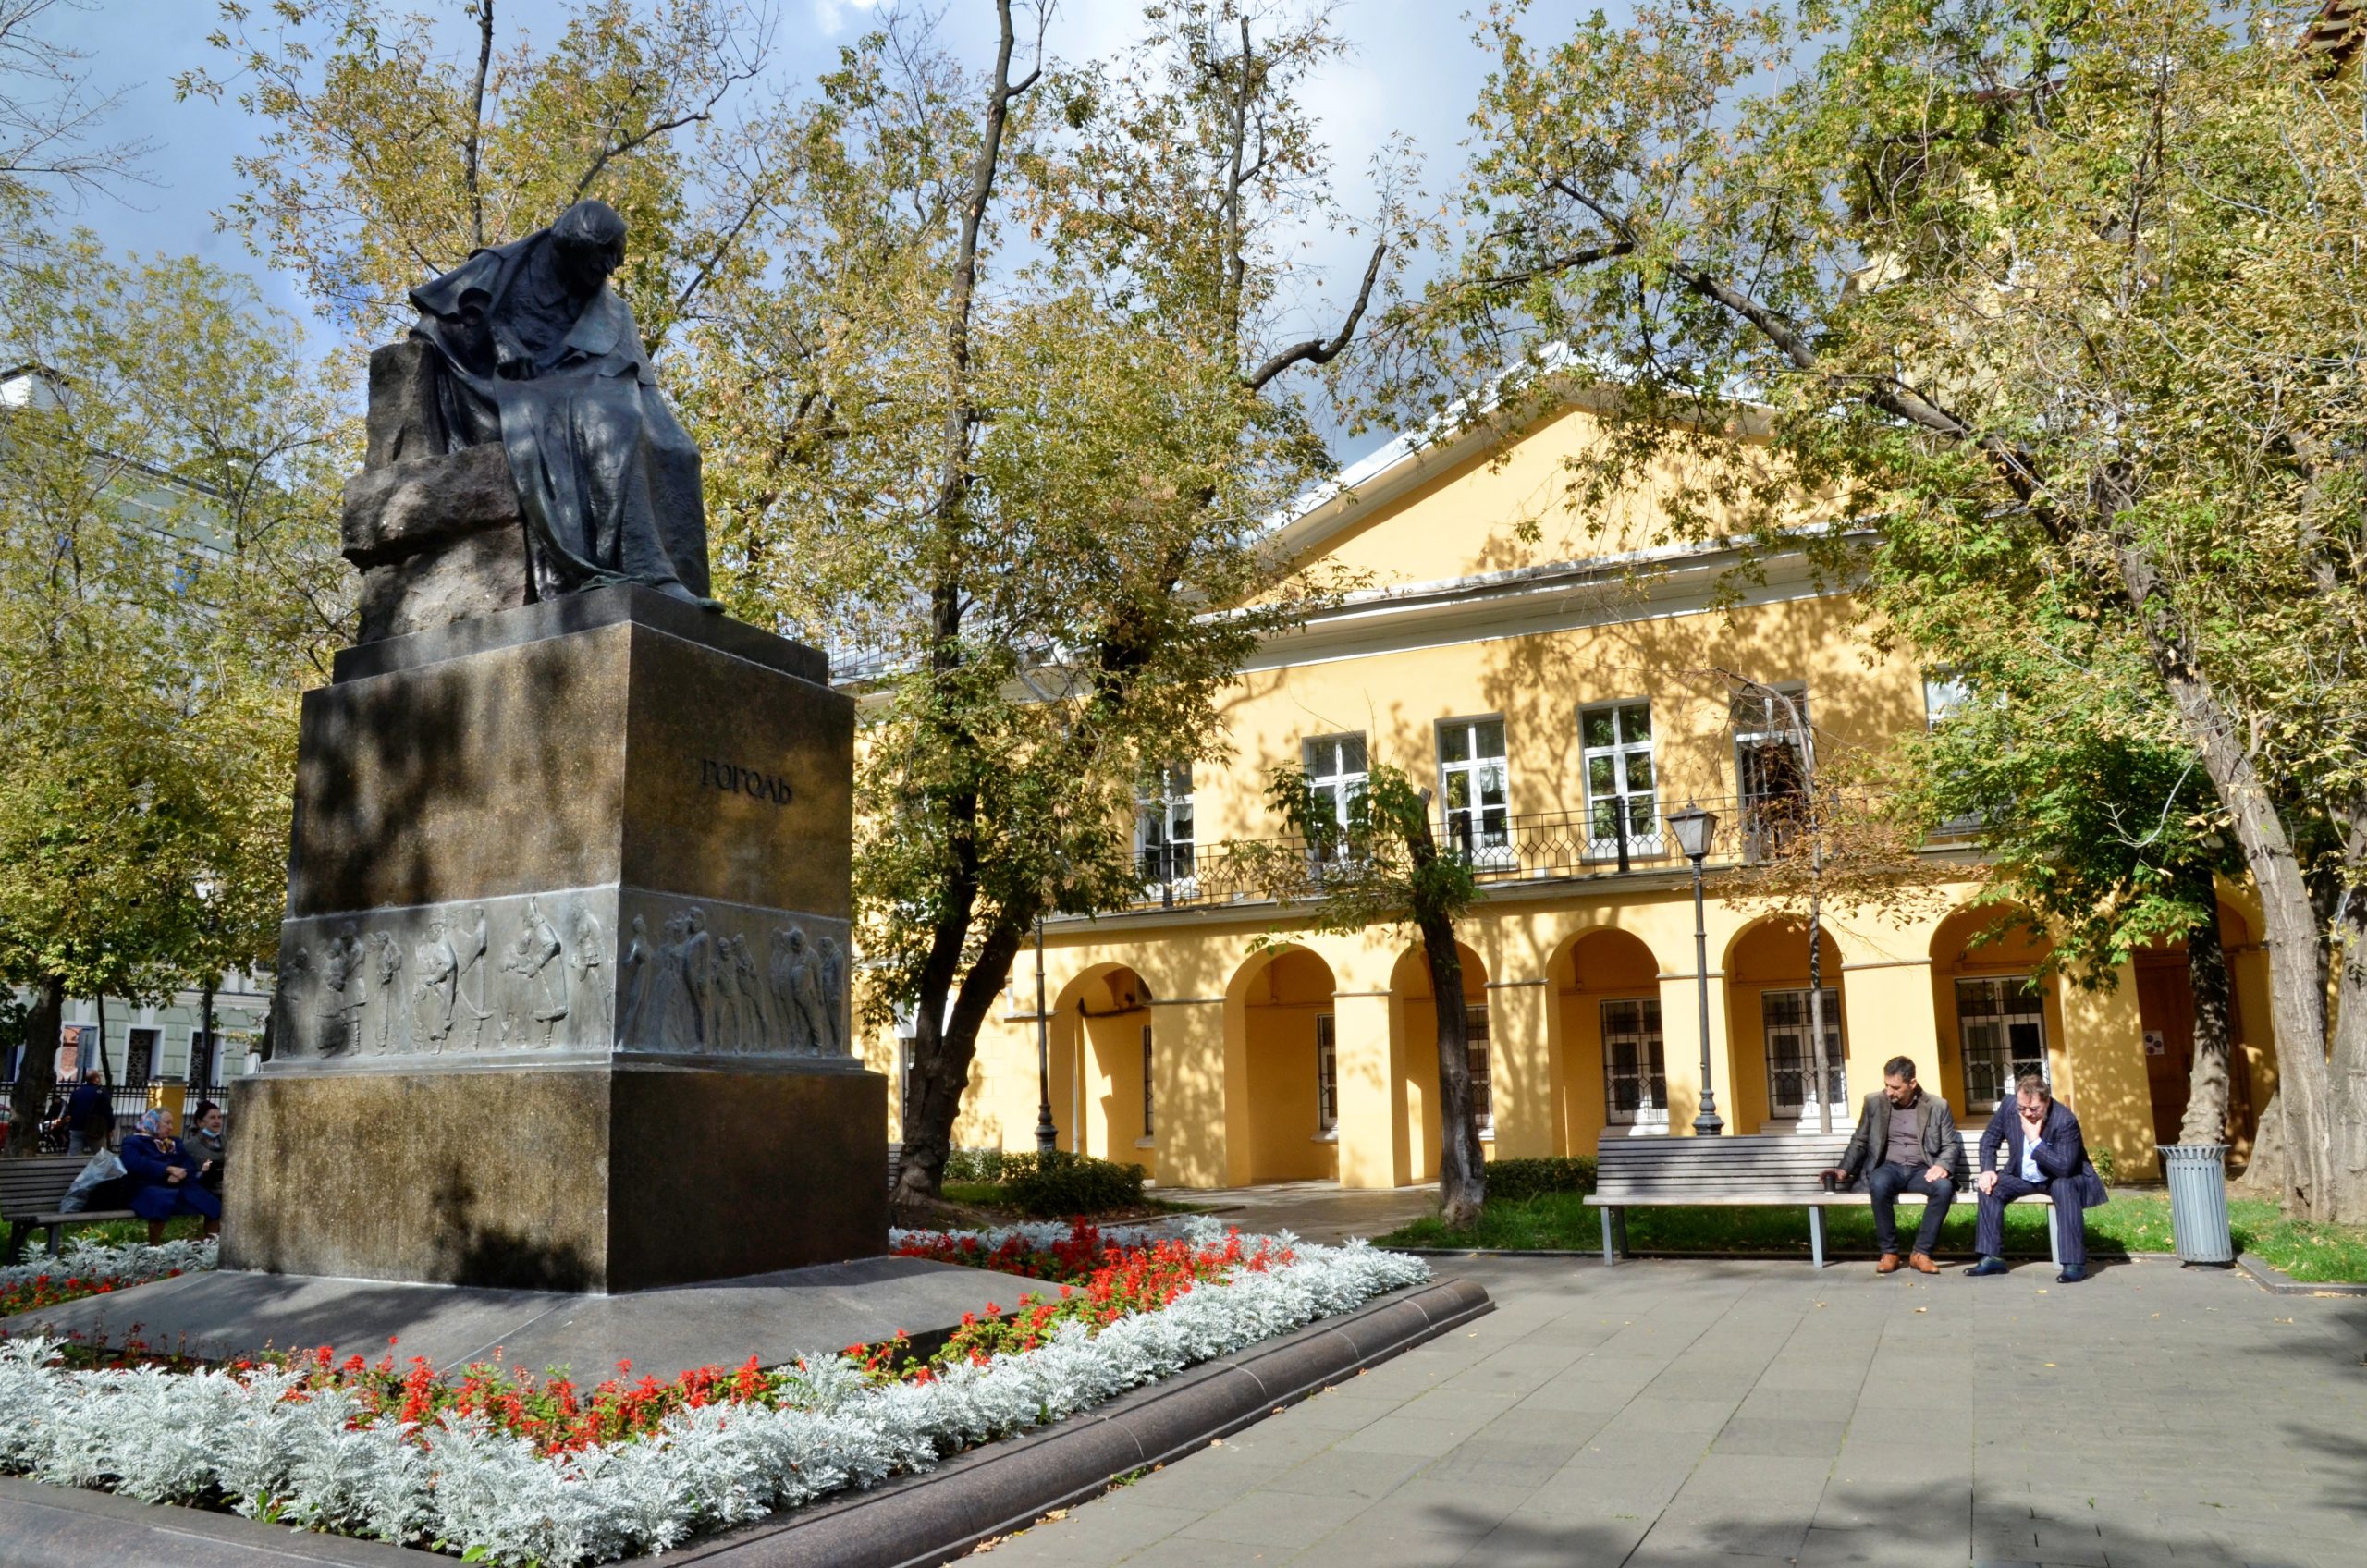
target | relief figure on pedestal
x=539, y=994
x=676, y=1005
x=832, y=963
x=394, y=1017
x=797, y=988
x=722, y=1003
x=438, y=971
x=698, y=978
x=470, y=955
x=342, y=994
x=636, y=973
x=747, y=990
x=539, y=354
x=295, y=976
x=589, y=958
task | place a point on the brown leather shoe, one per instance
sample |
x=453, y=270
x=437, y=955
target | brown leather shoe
x=1889, y=1264
x=1922, y=1263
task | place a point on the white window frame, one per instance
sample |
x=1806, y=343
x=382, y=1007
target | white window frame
x=1760, y=834
x=1480, y=831
x=1479, y=1058
x=1649, y=1071
x=1837, y=1061
x=1163, y=804
x=2019, y=1002
x=1944, y=695
x=1324, y=761
x=1621, y=752
x=1327, y=1075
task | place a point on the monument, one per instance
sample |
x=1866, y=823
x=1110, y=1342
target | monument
x=563, y=978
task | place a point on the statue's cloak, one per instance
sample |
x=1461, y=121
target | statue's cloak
x=608, y=478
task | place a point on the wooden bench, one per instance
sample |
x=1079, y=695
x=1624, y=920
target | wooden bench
x=1774, y=1171
x=30, y=1190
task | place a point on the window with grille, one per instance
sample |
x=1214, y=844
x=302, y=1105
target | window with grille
x=140, y=1058
x=1473, y=785
x=1483, y=1102
x=1791, y=1056
x=1635, y=1071
x=1622, y=801
x=1146, y=1079
x=2001, y=1023
x=1163, y=828
x=1327, y=1074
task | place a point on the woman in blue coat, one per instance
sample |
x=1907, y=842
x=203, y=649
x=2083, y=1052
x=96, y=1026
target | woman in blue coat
x=163, y=1176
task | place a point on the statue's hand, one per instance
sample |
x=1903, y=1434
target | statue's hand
x=511, y=362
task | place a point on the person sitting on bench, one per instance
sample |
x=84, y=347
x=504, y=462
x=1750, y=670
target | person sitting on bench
x=1904, y=1142
x=164, y=1174
x=2042, y=1152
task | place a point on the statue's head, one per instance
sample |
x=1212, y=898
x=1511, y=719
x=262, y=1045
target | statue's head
x=591, y=240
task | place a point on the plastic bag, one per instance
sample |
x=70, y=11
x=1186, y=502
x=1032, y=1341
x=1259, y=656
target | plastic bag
x=83, y=1194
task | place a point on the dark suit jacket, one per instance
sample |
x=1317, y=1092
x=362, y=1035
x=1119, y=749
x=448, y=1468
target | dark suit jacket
x=1941, y=1144
x=2061, y=1151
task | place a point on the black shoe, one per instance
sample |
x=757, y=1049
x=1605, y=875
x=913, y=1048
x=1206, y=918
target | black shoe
x=1985, y=1267
x=2071, y=1276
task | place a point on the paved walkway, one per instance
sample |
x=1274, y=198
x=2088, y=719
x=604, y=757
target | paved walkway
x=1667, y=1412
x=1318, y=1211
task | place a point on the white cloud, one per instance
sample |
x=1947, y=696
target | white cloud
x=830, y=15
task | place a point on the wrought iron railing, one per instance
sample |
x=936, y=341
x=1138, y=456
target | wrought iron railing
x=1629, y=834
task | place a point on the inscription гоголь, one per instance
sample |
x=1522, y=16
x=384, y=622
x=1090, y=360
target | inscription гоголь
x=733, y=779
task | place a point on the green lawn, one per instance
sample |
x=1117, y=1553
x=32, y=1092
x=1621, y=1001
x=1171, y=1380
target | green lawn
x=2131, y=1222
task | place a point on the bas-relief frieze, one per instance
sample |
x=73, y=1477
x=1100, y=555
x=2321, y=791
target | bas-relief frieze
x=587, y=969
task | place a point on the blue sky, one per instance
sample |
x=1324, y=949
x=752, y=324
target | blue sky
x=1413, y=69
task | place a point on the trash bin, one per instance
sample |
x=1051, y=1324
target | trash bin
x=2198, y=1174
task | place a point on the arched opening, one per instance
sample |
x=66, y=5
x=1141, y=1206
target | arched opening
x=1285, y=1114
x=2165, y=1013
x=1614, y=1066
x=1415, y=1008
x=1771, y=1052
x=2000, y=1013
x=1103, y=1042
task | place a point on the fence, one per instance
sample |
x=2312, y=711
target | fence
x=1619, y=835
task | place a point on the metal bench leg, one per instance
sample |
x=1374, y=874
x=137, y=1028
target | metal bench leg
x=2054, y=1239
x=57, y=1241
x=1816, y=1235
x=1609, y=1256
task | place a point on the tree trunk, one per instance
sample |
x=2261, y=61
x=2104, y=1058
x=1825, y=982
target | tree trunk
x=37, y=1075
x=2263, y=1175
x=1816, y=1006
x=1463, y=1164
x=106, y=1069
x=945, y=1042
x=2207, y=1094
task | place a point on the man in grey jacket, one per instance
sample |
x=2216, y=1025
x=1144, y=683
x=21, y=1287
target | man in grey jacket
x=1906, y=1142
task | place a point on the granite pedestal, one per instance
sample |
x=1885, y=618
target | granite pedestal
x=564, y=979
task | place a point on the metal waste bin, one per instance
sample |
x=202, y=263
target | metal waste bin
x=2198, y=1174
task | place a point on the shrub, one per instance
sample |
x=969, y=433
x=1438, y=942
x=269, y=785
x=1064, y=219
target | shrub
x=1511, y=1181
x=1059, y=1184
x=974, y=1165
x=2103, y=1162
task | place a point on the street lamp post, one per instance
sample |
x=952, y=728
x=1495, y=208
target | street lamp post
x=1694, y=828
x=1048, y=1137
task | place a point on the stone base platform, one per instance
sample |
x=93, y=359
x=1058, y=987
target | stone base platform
x=554, y=1176
x=775, y=1318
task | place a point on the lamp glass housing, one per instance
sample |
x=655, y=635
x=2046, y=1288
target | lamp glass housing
x=1694, y=828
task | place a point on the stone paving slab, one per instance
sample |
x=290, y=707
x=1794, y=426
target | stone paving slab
x=1739, y=1412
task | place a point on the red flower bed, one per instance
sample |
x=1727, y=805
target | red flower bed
x=1099, y=1284
x=48, y=1290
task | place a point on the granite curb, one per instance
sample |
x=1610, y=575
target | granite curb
x=2275, y=1281
x=907, y=1523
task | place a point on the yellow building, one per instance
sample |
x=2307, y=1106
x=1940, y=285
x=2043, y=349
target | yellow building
x=1563, y=701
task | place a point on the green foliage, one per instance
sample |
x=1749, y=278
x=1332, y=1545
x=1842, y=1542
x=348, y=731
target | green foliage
x=1059, y=1184
x=1515, y=1180
x=1380, y=866
x=974, y=1165
x=2047, y=307
x=168, y=584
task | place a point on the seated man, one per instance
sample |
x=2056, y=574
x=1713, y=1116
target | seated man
x=2042, y=1152
x=1911, y=1141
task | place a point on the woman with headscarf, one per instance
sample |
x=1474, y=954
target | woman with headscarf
x=164, y=1177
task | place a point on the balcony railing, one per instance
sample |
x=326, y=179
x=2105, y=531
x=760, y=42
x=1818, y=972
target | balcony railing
x=1502, y=849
